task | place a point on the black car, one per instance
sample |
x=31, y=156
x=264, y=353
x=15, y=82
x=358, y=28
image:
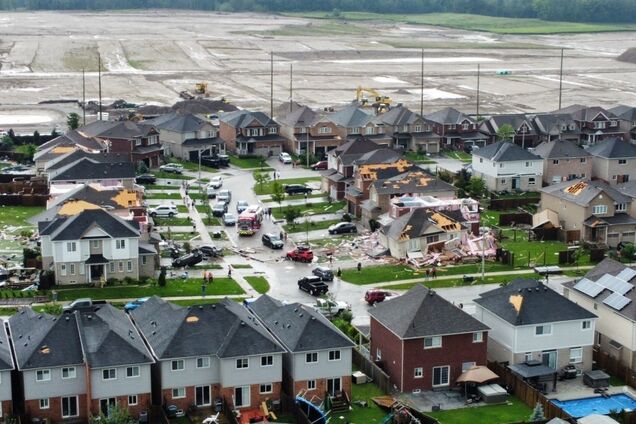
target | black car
x=190, y=259
x=146, y=179
x=215, y=161
x=292, y=189
x=324, y=273
x=343, y=227
x=211, y=251
x=313, y=285
x=219, y=209
x=272, y=240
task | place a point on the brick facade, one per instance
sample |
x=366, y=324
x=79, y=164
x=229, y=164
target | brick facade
x=143, y=404
x=7, y=408
x=256, y=398
x=321, y=387
x=54, y=412
x=181, y=403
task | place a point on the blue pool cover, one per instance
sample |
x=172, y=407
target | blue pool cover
x=596, y=405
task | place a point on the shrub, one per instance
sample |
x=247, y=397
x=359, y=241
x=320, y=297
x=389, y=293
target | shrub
x=346, y=217
x=129, y=280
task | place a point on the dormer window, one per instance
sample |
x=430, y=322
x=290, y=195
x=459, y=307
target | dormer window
x=325, y=130
x=621, y=207
x=368, y=130
x=613, y=123
x=418, y=128
x=354, y=130
x=465, y=126
x=273, y=130
x=599, y=125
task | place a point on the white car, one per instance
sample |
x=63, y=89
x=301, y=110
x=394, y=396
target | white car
x=216, y=182
x=163, y=210
x=284, y=157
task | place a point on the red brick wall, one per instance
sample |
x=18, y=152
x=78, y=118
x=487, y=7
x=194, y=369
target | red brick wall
x=228, y=134
x=119, y=145
x=255, y=397
x=321, y=387
x=181, y=403
x=391, y=347
x=143, y=404
x=7, y=408
x=54, y=413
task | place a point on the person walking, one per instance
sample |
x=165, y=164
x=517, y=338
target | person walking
x=359, y=266
x=428, y=273
x=229, y=271
x=434, y=273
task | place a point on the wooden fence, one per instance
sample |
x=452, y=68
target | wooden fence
x=506, y=204
x=508, y=219
x=379, y=377
x=614, y=366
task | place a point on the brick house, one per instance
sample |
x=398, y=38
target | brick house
x=354, y=121
x=614, y=161
x=425, y=342
x=236, y=359
x=595, y=124
x=525, y=134
x=627, y=115
x=184, y=135
x=410, y=131
x=556, y=126
x=563, y=161
x=458, y=131
x=251, y=133
x=7, y=365
x=306, y=128
x=317, y=355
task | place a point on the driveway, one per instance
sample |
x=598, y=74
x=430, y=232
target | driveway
x=452, y=165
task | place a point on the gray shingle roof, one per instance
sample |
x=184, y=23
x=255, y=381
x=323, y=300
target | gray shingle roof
x=117, y=129
x=302, y=116
x=74, y=227
x=555, y=123
x=587, y=191
x=381, y=155
x=77, y=155
x=448, y=116
x=244, y=118
x=71, y=139
x=538, y=304
x=180, y=123
x=503, y=151
x=225, y=329
x=628, y=113
x=91, y=169
x=354, y=149
x=353, y=116
x=6, y=358
x=421, y=312
x=417, y=181
x=558, y=149
x=585, y=113
x=614, y=148
x=299, y=327
x=628, y=189
x=515, y=120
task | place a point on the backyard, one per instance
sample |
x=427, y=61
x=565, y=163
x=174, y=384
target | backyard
x=512, y=411
x=372, y=413
x=459, y=155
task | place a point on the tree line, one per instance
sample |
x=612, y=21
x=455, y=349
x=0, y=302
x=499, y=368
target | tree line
x=606, y=11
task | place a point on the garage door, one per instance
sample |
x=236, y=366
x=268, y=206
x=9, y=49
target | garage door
x=629, y=237
x=264, y=151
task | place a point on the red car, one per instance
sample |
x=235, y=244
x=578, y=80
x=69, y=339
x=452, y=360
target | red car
x=320, y=166
x=301, y=254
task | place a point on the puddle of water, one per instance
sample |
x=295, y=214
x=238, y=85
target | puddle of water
x=389, y=80
x=464, y=59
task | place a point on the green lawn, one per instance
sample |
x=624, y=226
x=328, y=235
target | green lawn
x=313, y=208
x=302, y=227
x=241, y=266
x=359, y=415
x=466, y=21
x=170, y=175
x=174, y=187
x=175, y=195
x=182, y=236
x=535, y=252
x=174, y=287
x=511, y=412
x=459, y=155
x=16, y=216
x=193, y=166
x=418, y=157
x=457, y=282
x=248, y=162
x=259, y=284
x=205, y=301
x=268, y=187
x=296, y=197
x=173, y=222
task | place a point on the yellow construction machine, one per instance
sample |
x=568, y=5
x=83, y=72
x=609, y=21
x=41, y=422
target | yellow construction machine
x=201, y=88
x=380, y=103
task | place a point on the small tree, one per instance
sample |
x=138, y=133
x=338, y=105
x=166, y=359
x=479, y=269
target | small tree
x=290, y=215
x=72, y=121
x=116, y=415
x=142, y=168
x=261, y=178
x=628, y=252
x=537, y=413
x=7, y=142
x=29, y=149
x=505, y=133
x=162, y=277
x=278, y=193
x=476, y=187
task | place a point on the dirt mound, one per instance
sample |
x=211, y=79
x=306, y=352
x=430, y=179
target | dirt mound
x=203, y=106
x=628, y=56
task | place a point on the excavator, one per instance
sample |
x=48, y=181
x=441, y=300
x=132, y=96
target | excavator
x=381, y=103
x=200, y=90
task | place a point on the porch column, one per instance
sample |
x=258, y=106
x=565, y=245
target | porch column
x=88, y=274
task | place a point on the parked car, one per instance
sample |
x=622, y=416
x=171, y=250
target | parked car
x=272, y=241
x=146, y=179
x=163, y=210
x=82, y=304
x=284, y=157
x=301, y=254
x=210, y=251
x=292, y=189
x=219, y=209
x=189, y=259
x=323, y=272
x=224, y=196
x=173, y=168
x=241, y=205
x=211, y=192
x=330, y=308
x=215, y=161
x=313, y=285
x=216, y=182
x=376, y=296
x=229, y=219
x=320, y=165
x=343, y=227
x=131, y=306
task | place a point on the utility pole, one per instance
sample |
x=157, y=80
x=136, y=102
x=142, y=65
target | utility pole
x=99, y=79
x=271, y=85
x=291, y=86
x=83, y=97
x=561, y=80
x=422, y=85
x=478, y=74
x=483, y=258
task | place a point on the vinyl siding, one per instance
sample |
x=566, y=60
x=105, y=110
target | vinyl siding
x=121, y=385
x=56, y=386
x=323, y=368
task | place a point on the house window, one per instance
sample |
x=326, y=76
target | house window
x=354, y=130
x=500, y=165
x=418, y=372
x=138, y=142
x=432, y=239
x=325, y=130
x=467, y=365
x=273, y=130
x=334, y=355
x=311, y=384
x=71, y=269
x=555, y=162
x=178, y=393
x=432, y=342
x=531, y=181
x=452, y=127
x=120, y=244
x=478, y=337
x=481, y=160
x=622, y=161
x=121, y=266
x=378, y=354
x=441, y=376
x=527, y=164
x=599, y=125
x=68, y=373
x=418, y=128
x=132, y=372
x=129, y=266
x=311, y=358
x=144, y=260
x=203, y=362
x=527, y=357
x=583, y=160
x=71, y=246
x=595, y=306
x=621, y=207
x=543, y=330
x=465, y=126
x=267, y=361
x=599, y=209
x=112, y=266
x=109, y=374
x=43, y=375
x=132, y=400
x=44, y=403
x=368, y=130
x=242, y=363
x=265, y=388
x=586, y=325
x=576, y=355
x=178, y=365
x=95, y=244
x=613, y=123
x=69, y=407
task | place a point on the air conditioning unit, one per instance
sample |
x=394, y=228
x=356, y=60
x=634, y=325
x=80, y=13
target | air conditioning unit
x=359, y=377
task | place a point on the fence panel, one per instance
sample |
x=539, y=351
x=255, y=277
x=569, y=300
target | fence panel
x=381, y=379
x=508, y=219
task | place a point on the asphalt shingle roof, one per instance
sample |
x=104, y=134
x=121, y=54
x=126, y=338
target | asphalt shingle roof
x=117, y=129
x=614, y=148
x=558, y=149
x=555, y=123
x=627, y=113
x=243, y=119
x=421, y=312
x=6, y=358
x=503, y=151
x=91, y=169
x=73, y=138
x=515, y=120
x=74, y=227
x=582, y=192
x=180, y=123
x=448, y=116
x=416, y=181
x=353, y=116
x=78, y=155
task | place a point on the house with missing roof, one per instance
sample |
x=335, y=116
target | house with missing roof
x=614, y=161
x=7, y=365
x=563, y=161
x=79, y=167
x=251, y=133
x=590, y=211
x=410, y=131
x=209, y=352
x=63, y=145
x=93, y=246
x=425, y=342
x=317, y=358
x=607, y=291
x=531, y=322
x=185, y=135
x=504, y=166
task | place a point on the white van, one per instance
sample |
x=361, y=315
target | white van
x=163, y=210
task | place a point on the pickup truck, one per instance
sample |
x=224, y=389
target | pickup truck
x=313, y=285
x=83, y=304
x=330, y=308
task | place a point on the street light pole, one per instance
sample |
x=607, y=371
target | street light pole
x=483, y=258
x=200, y=152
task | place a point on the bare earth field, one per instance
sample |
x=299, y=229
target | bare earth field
x=149, y=56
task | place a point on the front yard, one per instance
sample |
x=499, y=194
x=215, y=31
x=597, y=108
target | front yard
x=420, y=158
x=310, y=208
x=248, y=162
x=312, y=226
x=267, y=188
x=258, y=283
x=459, y=155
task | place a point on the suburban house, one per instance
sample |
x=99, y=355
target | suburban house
x=251, y=133
x=504, y=166
x=525, y=134
x=185, y=135
x=209, y=352
x=410, y=131
x=354, y=121
x=457, y=131
x=63, y=145
x=607, y=290
x=531, y=322
x=556, y=126
x=106, y=169
x=307, y=129
x=7, y=365
x=467, y=207
x=595, y=124
x=317, y=356
x=563, y=161
x=591, y=211
x=140, y=141
x=614, y=161
x=93, y=246
x=627, y=115
x=425, y=342
x=417, y=232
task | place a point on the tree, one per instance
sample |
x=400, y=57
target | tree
x=290, y=215
x=72, y=121
x=7, y=142
x=476, y=187
x=278, y=193
x=36, y=137
x=505, y=133
x=537, y=413
x=162, y=277
x=142, y=168
x=628, y=252
x=261, y=178
x=116, y=415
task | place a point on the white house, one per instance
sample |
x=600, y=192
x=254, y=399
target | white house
x=505, y=166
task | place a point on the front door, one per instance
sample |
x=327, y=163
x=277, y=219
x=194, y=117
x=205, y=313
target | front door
x=333, y=386
x=549, y=358
x=202, y=396
x=515, y=183
x=97, y=271
x=105, y=405
x=242, y=396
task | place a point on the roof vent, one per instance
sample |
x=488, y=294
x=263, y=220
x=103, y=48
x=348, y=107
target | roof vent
x=276, y=322
x=191, y=319
x=68, y=318
x=242, y=324
x=295, y=309
x=201, y=307
x=153, y=332
x=300, y=316
x=40, y=316
x=313, y=318
x=20, y=336
x=530, y=289
x=213, y=306
x=288, y=325
x=537, y=289
x=519, y=291
x=89, y=316
x=545, y=289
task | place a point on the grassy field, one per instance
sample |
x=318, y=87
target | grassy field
x=259, y=284
x=513, y=411
x=419, y=158
x=459, y=155
x=326, y=29
x=372, y=414
x=533, y=253
x=16, y=216
x=162, y=187
x=313, y=208
x=457, y=282
x=173, y=195
x=477, y=22
x=267, y=187
x=313, y=226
